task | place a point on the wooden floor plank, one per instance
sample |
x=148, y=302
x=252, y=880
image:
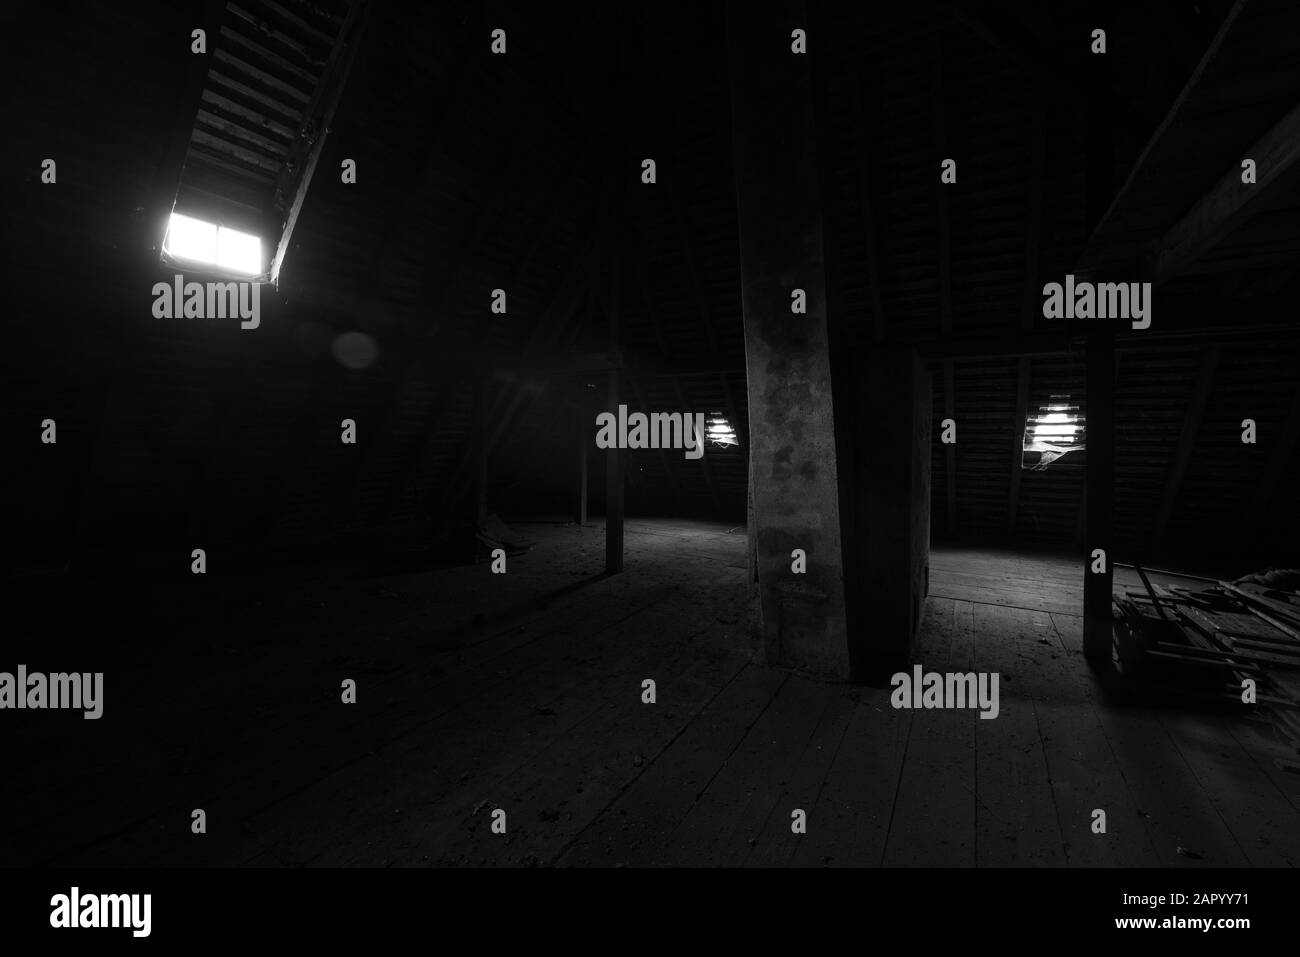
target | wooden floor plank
x=1016, y=819
x=775, y=843
x=1182, y=826
x=1259, y=817
x=1054, y=568
x=1081, y=766
x=638, y=823
x=934, y=817
x=478, y=752
x=512, y=678
x=849, y=823
x=1069, y=632
x=1005, y=589
x=524, y=693
x=744, y=795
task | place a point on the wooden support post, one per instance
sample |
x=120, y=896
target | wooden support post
x=949, y=451
x=614, y=488
x=607, y=288
x=1018, y=441
x=583, y=419
x=1097, y=585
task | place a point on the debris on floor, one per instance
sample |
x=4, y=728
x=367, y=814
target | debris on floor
x=1223, y=641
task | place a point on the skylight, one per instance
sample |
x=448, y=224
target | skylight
x=718, y=431
x=210, y=244
x=1056, y=429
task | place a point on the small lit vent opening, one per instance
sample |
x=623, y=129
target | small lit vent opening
x=197, y=241
x=1052, y=432
x=718, y=431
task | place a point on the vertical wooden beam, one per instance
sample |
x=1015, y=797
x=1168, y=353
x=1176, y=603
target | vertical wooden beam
x=1081, y=526
x=1017, y=441
x=949, y=451
x=887, y=524
x=583, y=419
x=614, y=490
x=1100, y=377
x=1196, y=404
x=611, y=101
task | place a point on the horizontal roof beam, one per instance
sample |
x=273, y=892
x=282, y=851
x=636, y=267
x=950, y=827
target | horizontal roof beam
x=1230, y=201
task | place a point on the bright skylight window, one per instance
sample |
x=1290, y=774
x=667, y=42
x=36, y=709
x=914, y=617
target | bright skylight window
x=718, y=430
x=203, y=242
x=1052, y=431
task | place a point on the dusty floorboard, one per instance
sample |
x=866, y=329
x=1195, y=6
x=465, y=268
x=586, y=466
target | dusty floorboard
x=524, y=693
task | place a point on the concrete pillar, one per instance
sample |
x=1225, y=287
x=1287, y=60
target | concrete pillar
x=792, y=467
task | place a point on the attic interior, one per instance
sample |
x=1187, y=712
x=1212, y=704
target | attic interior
x=388, y=475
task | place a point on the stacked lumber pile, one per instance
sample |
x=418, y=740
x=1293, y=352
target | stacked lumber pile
x=1205, y=639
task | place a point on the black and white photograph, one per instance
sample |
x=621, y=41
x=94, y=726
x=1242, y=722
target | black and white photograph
x=476, y=435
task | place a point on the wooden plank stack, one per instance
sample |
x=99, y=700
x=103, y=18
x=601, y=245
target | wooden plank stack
x=1205, y=640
